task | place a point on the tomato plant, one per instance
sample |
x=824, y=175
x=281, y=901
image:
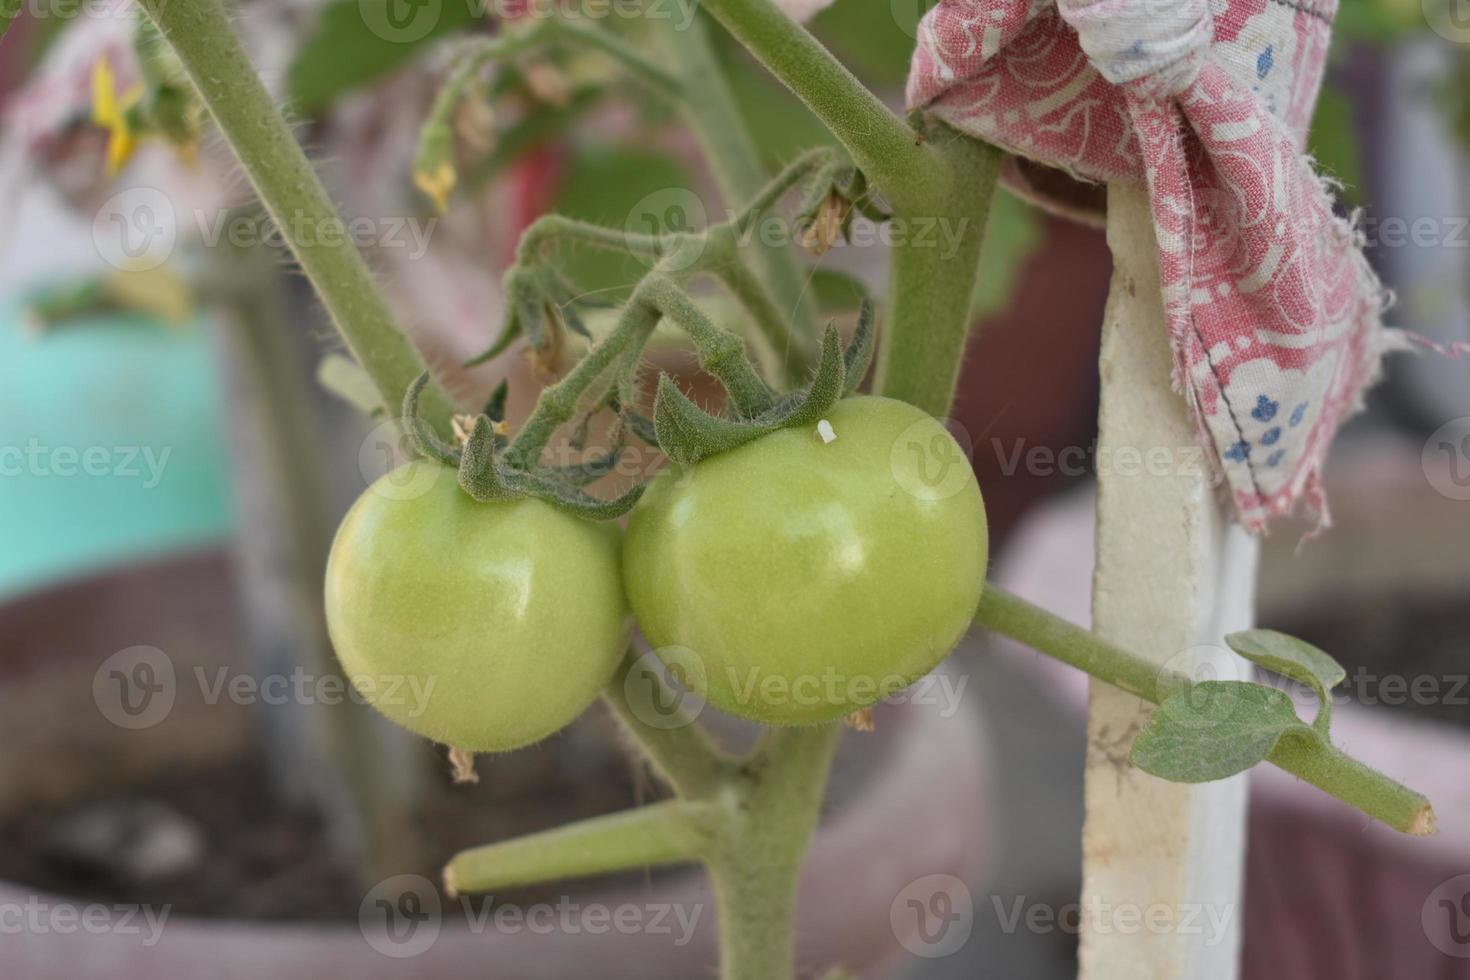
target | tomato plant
x=486, y=626
x=809, y=579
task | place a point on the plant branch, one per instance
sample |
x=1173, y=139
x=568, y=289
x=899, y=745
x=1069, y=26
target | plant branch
x=200, y=34
x=672, y=832
x=679, y=748
x=933, y=281
x=755, y=868
x=1314, y=760
x=714, y=118
x=881, y=144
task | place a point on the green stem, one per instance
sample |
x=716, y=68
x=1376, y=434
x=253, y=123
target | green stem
x=714, y=118
x=880, y=143
x=199, y=33
x=672, y=832
x=678, y=748
x=1313, y=760
x=755, y=868
x=933, y=278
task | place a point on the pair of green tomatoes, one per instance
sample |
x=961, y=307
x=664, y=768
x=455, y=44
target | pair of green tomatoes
x=794, y=580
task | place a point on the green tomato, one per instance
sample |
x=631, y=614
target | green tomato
x=483, y=626
x=794, y=580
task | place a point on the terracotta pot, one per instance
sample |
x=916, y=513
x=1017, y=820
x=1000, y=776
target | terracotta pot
x=907, y=802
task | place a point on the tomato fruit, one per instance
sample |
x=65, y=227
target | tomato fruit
x=483, y=626
x=793, y=580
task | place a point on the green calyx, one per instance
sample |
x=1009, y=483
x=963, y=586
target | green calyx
x=686, y=433
x=485, y=475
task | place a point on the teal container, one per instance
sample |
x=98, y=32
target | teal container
x=111, y=445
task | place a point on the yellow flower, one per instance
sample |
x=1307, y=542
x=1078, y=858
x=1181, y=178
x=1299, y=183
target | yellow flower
x=436, y=182
x=111, y=113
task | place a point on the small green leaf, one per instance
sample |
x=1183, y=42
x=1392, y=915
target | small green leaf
x=687, y=433
x=480, y=473
x=587, y=471
x=425, y=439
x=859, y=354
x=495, y=407
x=1296, y=659
x=1214, y=730
x=508, y=335
x=827, y=386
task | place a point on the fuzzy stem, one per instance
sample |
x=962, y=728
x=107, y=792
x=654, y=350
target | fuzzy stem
x=1313, y=760
x=931, y=286
x=881, y=144
x=672, y=832
x=200, y=34
x=714, y=118
x=755, y=868
x=679, y=749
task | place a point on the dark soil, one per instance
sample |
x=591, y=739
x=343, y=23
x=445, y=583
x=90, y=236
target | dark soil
x=220, y=843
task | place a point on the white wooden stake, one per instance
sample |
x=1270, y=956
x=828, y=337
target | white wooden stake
x=1162, y=862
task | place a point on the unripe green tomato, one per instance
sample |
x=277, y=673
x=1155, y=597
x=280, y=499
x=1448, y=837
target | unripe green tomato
x=483, y=626
x=793, y=580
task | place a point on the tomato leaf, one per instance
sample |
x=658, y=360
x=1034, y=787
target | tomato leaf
x=1295, y=659
x=859, y=354
x=1214, y=730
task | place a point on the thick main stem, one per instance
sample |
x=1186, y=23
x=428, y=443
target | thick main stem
x=200, y=34
x=933, y=277
x=881, y=144
x=756, y=867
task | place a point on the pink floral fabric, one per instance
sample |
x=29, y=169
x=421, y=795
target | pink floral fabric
x=1274, y=314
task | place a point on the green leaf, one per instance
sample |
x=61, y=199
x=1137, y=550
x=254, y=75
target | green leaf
x=859, y=354
x=687, y=433
x=346, y=53
x=1293, y=658
x=826, y=387
x=425, y=439
x=1214, y=730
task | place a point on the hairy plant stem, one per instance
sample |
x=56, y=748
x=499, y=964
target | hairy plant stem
x=1312, y=760
x=936, y=179
x=930, y=287
x=710, y=110
x=881, y=144
x=200, y=34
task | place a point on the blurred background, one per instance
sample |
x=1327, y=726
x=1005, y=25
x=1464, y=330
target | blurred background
x=179, y=434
